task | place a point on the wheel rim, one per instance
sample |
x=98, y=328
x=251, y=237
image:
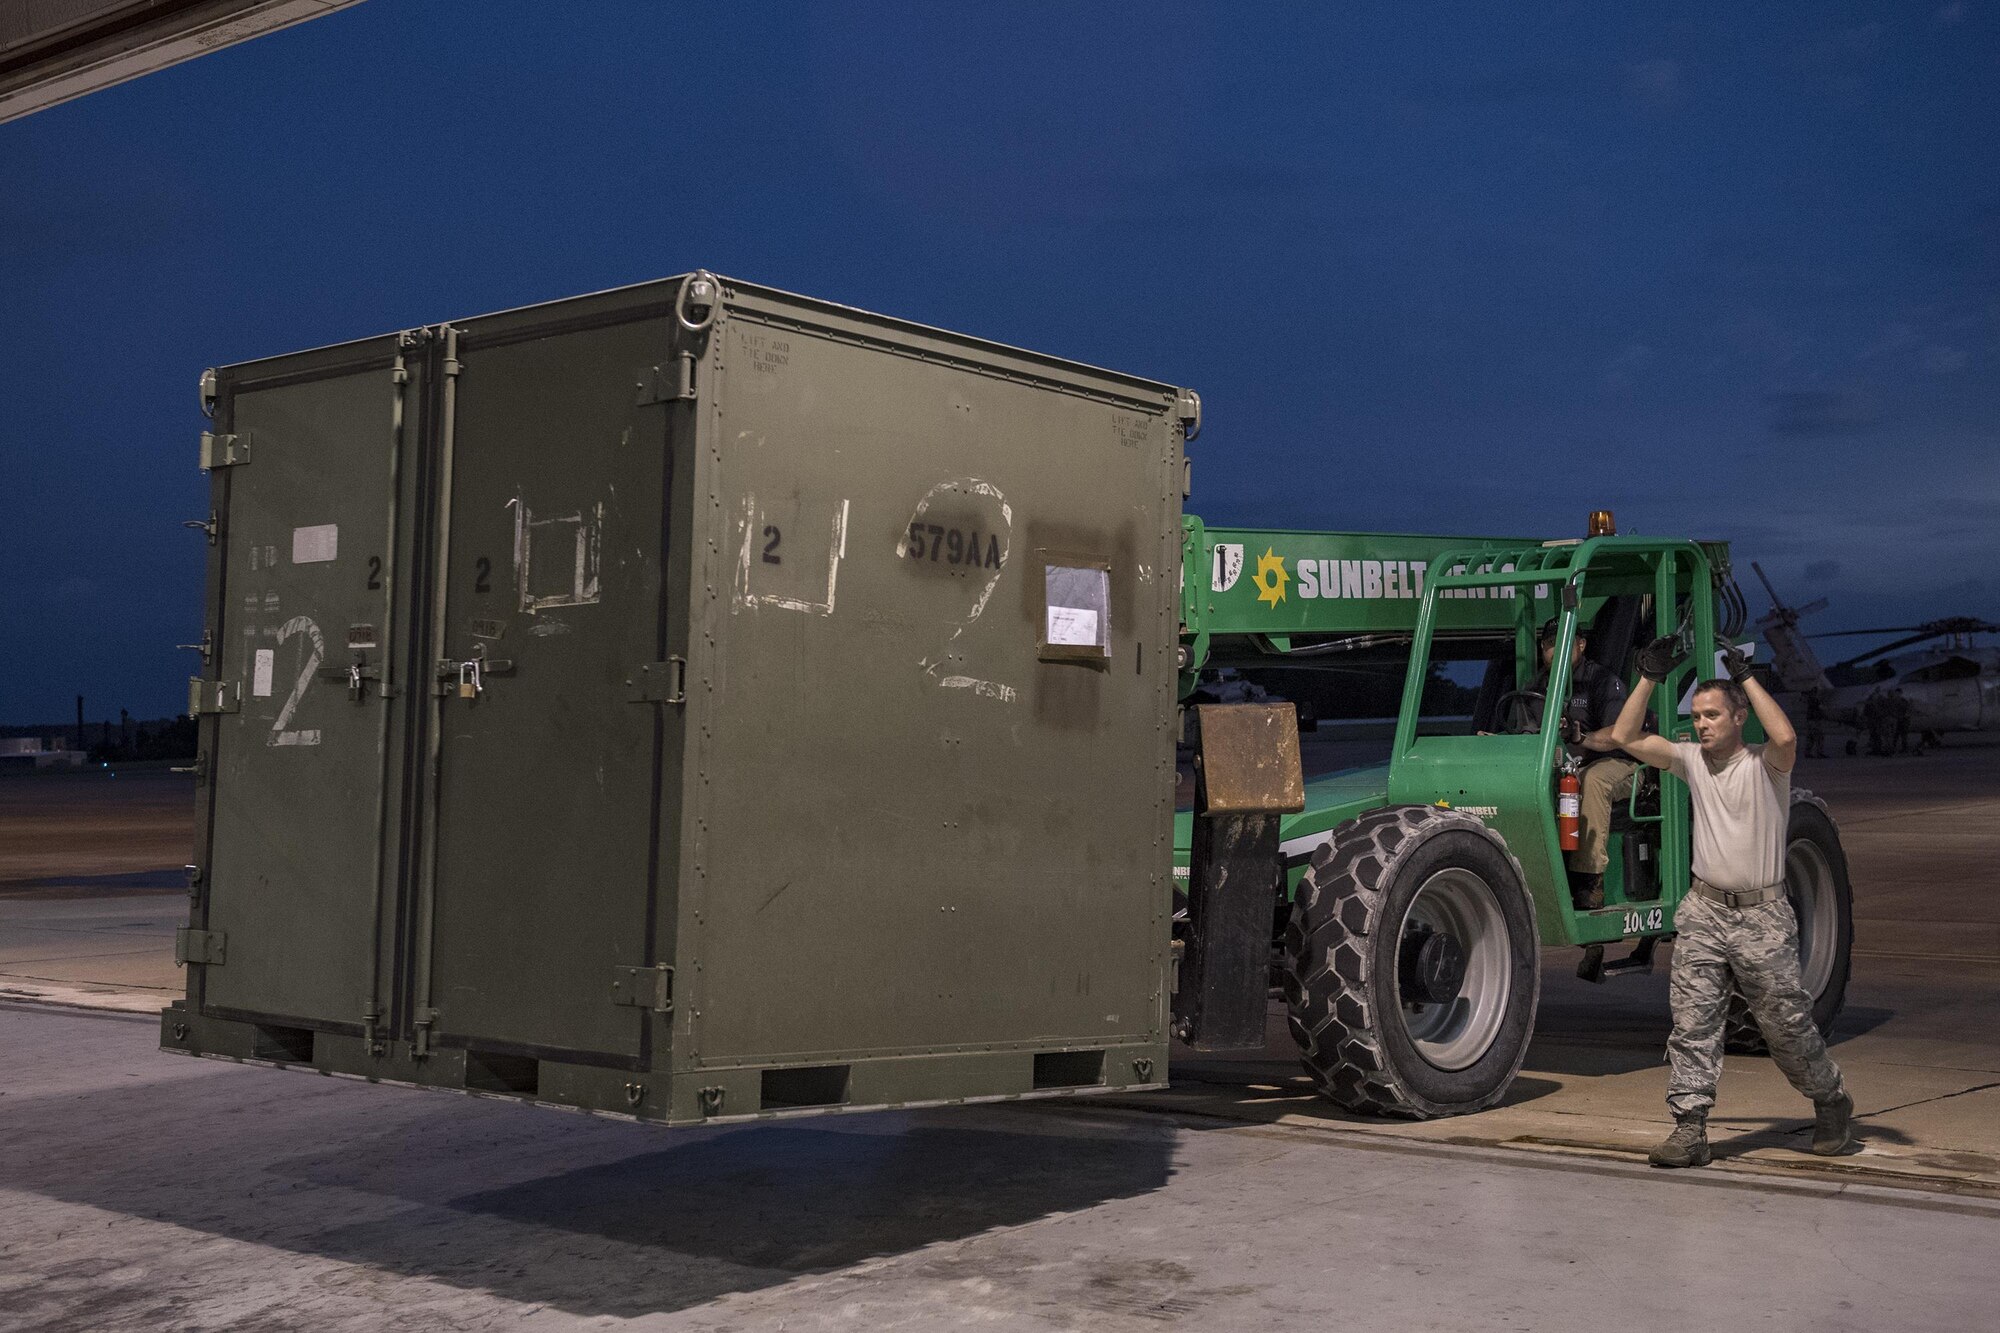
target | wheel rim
x=1809, y=887
x=1456, y=1033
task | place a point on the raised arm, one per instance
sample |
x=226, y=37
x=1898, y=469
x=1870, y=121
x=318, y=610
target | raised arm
x=1656, y=661
x=1781, y=740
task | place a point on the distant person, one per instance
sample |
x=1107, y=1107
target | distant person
x=1875, y=717
x=1595, y=696
x=1899, y=719
x=1815, y=725
x=1736, y=929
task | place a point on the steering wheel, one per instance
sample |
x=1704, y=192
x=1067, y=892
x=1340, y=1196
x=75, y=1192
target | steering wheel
x=1518, y=712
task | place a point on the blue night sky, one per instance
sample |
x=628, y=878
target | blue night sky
x=1455, y=268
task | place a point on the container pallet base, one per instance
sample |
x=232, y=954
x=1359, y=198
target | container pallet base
x=690, y=1097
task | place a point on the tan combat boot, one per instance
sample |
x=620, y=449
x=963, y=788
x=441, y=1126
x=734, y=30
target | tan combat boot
x=1686, y=1146
x=1833, y=1128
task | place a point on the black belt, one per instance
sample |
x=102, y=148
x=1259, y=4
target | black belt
x=1739, y=897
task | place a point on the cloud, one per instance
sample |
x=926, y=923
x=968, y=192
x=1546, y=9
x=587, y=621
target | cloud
x=1624, y=369
x=1811, y=413
x=1942, y=360
x=1655, y=83
x=1821, y=571
x=1897, y=337
x=1544, y=83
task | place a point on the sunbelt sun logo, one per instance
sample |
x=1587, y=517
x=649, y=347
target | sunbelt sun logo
x=1311, y=578
x=1270, y=577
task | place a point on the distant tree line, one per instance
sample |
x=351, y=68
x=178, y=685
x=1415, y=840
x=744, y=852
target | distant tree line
x=168, y=738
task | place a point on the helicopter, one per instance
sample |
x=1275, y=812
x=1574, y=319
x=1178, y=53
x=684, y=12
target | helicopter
x=1951, y=685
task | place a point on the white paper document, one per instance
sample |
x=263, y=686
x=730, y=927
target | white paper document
x=1072, y=626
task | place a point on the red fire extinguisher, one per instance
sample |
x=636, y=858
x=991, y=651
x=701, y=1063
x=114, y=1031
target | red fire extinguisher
x=1569, y=807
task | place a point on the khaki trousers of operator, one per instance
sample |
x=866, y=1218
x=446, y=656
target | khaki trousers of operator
x=1605, y=781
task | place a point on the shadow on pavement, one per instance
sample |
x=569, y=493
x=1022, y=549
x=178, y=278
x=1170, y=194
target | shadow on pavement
x=1856, y=1019
x=490, y=1197
x=1795, y=1133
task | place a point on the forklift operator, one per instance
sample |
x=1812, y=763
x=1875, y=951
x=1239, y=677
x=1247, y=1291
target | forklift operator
x=1595, y=696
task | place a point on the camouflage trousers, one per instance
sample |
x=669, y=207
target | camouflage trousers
x=1756, y=949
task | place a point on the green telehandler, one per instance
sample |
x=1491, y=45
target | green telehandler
x=1403, y=907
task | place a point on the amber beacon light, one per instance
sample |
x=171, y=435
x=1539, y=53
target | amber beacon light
x=1602, y=524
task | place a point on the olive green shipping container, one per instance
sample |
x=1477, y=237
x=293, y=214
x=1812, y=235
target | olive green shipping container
x=692, y=702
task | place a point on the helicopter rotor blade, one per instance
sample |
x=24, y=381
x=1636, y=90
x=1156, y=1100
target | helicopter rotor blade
x=1845, y=633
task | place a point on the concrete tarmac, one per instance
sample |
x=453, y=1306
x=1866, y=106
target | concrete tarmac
x=141, y=1192
x=91, y=885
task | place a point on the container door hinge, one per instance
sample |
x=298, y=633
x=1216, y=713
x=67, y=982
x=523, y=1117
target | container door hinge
x=658, y=682
x=644, y=987
x=214, y=696
x=207, y=947
x=223, y=450
x=670, y=383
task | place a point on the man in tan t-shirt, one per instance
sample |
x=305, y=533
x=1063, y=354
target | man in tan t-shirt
x=1735, y=927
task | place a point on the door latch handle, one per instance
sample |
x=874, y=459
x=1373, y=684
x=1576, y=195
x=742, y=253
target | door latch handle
x=352, y=676
x=469, y=675
x=206, y=647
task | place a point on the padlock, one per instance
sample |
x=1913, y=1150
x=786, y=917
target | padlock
x=468, y=679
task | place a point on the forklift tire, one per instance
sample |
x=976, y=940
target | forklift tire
x=1823, y=901
x=1413, y=967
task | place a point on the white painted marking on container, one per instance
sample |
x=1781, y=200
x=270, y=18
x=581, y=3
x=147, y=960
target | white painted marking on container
x=834, y=555
x=582, y=544
x=260, y=675
x=315, y=545
x=743, y=597
x=317, y=653
x=985, y=689
x=836, y=551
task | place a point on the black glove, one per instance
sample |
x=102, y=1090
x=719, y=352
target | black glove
x=1736, y=662
x=1658, y=659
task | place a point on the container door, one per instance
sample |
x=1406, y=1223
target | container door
x=546, y=769
x=302, y=633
